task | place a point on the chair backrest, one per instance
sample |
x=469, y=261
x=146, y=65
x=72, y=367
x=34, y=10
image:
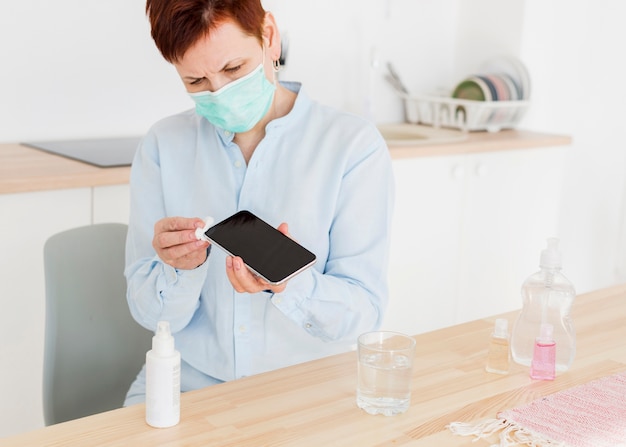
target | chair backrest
x=93, y=347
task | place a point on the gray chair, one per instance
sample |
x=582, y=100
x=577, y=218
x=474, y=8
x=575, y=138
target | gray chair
x=93, y=347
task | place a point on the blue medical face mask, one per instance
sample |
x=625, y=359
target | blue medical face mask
x=239, y=105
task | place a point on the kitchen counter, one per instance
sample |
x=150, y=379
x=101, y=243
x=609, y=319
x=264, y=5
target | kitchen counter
x=478, y=142
x=24, y=169
x=313, y=404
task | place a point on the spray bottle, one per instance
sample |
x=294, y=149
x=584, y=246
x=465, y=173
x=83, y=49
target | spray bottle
x=547, y=299
x=162, y=379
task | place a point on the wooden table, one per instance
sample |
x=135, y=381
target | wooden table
x=313, y=404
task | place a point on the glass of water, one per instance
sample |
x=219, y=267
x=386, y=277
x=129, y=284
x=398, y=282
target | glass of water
x=385, y=365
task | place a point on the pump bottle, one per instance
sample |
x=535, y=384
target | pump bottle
x=547, y=298
x=162, y=379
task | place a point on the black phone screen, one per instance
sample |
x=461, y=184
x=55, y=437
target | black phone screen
x=265, y=250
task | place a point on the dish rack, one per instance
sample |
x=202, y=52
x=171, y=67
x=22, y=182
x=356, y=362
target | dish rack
x=464, y=114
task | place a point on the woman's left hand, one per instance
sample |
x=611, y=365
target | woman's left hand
x=243, y=280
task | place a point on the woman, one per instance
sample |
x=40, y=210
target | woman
x=252, y=143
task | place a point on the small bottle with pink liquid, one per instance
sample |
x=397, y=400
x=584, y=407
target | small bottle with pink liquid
x=543, y=365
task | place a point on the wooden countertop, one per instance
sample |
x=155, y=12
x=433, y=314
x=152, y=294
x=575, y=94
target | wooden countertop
x=478, y=142
x=313, y=404
x=24, y=169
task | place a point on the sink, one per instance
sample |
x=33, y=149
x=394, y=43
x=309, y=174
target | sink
x=405, y=134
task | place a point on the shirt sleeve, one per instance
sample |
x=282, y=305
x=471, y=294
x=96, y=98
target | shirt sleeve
x=349, y=296
x=156, y=291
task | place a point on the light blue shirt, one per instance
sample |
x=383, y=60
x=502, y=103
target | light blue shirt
x=327, y=174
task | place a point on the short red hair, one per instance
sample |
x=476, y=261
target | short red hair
x=176, y=25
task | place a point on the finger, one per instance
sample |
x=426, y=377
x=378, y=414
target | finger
x=230, y=273
x=169, y=240
x=277, y=288
x=284, y=228
x=242, y=279
x=171, y=224
x=186, y=249
x=169, y=232
x=191, y=253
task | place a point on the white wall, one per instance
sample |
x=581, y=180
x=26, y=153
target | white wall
x=339, y=48
x=81, y=68
x=574, y=51
x=88, y=68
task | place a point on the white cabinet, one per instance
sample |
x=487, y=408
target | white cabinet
x=467, y=231
x=111, y=204
x=26, y=222
x=425, y=239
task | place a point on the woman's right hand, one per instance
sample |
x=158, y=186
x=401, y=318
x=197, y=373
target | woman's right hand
x=176, y=244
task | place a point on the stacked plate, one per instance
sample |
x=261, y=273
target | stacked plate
x=496, y=98
x=500, y=79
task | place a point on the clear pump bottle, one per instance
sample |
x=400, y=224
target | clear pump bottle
x=162, y=379
x=547, y=299
x=498, y=356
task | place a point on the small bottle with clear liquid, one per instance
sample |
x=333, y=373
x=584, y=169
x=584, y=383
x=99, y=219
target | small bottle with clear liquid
x=543, y=365
x=498, y=356
x=547, y=299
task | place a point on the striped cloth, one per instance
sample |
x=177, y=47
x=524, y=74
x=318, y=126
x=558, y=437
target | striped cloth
x=589, y=415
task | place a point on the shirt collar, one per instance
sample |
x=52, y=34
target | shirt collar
x=299, y=106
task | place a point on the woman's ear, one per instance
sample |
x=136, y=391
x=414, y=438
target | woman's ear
x=271, y=36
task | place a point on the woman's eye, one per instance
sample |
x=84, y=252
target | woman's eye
x=234, y=69
x=196, y=81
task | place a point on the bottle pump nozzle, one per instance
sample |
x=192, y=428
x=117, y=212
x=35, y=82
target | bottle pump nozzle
x=163, y=342
x=550, y=256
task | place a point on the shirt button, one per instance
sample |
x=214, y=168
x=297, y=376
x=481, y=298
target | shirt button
x=308, y=325
x=227, y=133
x=238, y=164
x=243, y=328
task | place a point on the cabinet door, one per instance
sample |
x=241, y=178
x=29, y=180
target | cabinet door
x=111, y=203
x=511, y=208
x=26, y=222
x=423, y=267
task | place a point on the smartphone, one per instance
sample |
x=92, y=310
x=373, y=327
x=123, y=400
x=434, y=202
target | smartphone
x=266, y=251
